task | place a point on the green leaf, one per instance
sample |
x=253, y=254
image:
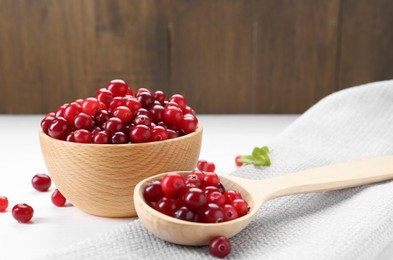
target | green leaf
x=258, y=157
x=257, y=152
x=260, y=161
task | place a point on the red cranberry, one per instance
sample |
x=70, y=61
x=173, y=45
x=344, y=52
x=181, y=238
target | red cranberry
x=157, y=112
x=153, y=192
x=58, y=198
x=189, y=124
x=91, y=106
x=3, y=203
x=172, y=134
x=172, y=116
x=194, y=198
x=119, y=138
x=167, y=206
x=180, y=100
x=22, y=212
x=60, y=128
x=46, y=122
x=142, y=120
x=210, y=189
x=146, y=99
x=113, y=125
x=133, y=104
x=141, y=90
x=231, y=195
x=83, y=121
x=201, y=164
x=158, y=133
x=217, y=198
x=172, y=184
x=230, y=212
x=200, y=174
x=101, y=137
x=159, y=96
x=209, y=167
x=212, y=213
x=184, y=213
x=143, y=111
x=241, y=206
x=60, y=110
x=219, y=246
x=105, y=96
x=118, y=87
x=211, y=179
x=82, y=136
x=41, y=182
x=140, y=134
x=70, y=137
x=101, y=118
x=117, y=102
x=188, y=110
x=123, y=113
x=71, y=111
x=237, y=161
x=192, y=180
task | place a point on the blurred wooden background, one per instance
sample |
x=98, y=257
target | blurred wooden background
x=225, y=56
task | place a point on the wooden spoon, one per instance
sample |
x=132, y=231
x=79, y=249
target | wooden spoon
x=327, y=178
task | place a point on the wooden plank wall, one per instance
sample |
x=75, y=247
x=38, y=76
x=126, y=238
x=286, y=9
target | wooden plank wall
x=225, y=56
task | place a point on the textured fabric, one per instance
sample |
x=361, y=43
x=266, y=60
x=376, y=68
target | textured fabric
x=355, y=223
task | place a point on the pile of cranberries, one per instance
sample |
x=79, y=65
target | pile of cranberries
x=115, y=115
x=198, y=197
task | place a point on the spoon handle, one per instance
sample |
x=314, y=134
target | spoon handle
x=333, y=177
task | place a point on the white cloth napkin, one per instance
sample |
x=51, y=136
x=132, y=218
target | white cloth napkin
x=355, y=223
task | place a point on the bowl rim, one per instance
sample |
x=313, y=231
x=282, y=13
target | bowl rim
x=198, y=131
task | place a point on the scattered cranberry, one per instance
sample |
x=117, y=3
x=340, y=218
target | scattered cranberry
x=206, y=166
x=237, y=161
x=198, y=196
x=41, y=182
x=219, y=246
x=209, y=167
x=22, y=212
x=3, y=203
x=58, y=198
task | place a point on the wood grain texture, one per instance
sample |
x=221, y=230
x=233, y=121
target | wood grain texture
x=211, y=53
x=256, y=192
x=366, y=42
x=100, y=179
x=295, y=53
x=225, y=56
x=53, y=52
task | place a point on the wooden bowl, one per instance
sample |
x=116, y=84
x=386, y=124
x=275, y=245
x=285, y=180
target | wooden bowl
x=100, y=179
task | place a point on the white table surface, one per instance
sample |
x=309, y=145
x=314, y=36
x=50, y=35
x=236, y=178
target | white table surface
x=53, y=228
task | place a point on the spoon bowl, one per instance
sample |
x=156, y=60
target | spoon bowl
x=256, y=192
